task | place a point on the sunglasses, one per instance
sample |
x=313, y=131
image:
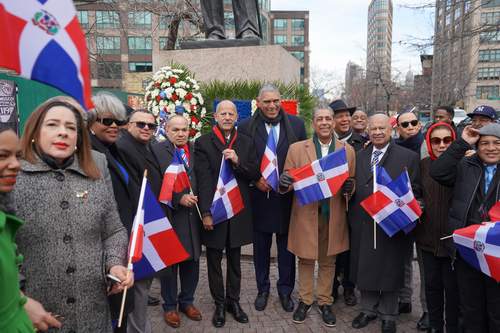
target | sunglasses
x=405, y=124
x=110, y=121
x=142, y=125
x=446, y=140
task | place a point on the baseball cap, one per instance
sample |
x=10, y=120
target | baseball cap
x=484, y=110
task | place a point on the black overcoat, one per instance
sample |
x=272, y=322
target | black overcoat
x=381, y=269
x=184, y=220
x=237, y=231
x=272, y=213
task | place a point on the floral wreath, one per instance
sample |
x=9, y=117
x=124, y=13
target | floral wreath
x=173, y=91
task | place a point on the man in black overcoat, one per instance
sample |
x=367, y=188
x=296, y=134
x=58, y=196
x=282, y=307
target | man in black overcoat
x=237, y=149
x=272, y=210
x=186, y=222
x=379, y=273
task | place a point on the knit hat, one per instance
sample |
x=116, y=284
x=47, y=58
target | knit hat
x=492, y=129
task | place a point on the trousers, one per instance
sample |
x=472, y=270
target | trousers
x=188, y=273
x=233, y=274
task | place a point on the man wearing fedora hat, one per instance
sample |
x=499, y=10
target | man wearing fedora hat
x=344, y=132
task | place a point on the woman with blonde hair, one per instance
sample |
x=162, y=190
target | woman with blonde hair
x=73, y=235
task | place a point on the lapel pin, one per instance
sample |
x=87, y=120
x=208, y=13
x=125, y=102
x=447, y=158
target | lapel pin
x=83, y=194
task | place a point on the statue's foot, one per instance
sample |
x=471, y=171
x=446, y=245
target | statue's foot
x=214, y=36
x=248, y=34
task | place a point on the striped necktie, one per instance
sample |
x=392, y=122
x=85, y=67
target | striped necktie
x=375, y=158
x=184, y=156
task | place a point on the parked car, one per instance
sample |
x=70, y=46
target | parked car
x=460, y=115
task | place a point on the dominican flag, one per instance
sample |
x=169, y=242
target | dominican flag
x=227, y=200
x=42, y=41
x=175, y=179
x=269, y=163
x=321, y=179
x=479, y=245
x=154, y=244
x=393, y=205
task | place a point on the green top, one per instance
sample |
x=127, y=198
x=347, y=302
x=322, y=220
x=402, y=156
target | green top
x=13, y=318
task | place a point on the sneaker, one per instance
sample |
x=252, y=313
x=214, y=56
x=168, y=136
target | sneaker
x=299, y=316
x=327, y=315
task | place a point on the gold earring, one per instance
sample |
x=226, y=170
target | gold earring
x=32, y=140
x=76, y=148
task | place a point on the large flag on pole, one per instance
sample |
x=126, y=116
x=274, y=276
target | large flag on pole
x=42, y=41
x=154, y=244
x=269, y=163
x=321, y=179
x=479, y=245
x=175, y=179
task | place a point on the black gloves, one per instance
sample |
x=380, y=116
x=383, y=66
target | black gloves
x=285, y=180
x=348, y=186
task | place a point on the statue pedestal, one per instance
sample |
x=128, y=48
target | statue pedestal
x=264, y=63
x=214, y=43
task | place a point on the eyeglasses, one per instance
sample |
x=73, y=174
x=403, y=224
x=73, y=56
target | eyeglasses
x=110, y=121
x=142, y=125
x=405, y=124
x=437, y=141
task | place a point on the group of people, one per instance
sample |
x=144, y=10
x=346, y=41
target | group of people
x=78, y=183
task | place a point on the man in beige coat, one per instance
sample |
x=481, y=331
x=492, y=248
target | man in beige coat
x=318, y=231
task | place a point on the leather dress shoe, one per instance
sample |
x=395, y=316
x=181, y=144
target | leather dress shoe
x=434, y=330
x=235, y=309
x=388, y=326
x=350, y=298
x=327, y=315
x=261, y=301
x=191, y=312
x=219, y=317
x=286, y=302
x=363, y=319
x=423, y=323
x=172, y=318
x=404, y=307
x=299, y=316
x=153, y=301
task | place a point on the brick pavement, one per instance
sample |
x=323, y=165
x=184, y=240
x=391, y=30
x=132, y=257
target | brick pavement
x=273, y=319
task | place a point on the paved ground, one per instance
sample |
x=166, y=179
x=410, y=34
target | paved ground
x=274, y=318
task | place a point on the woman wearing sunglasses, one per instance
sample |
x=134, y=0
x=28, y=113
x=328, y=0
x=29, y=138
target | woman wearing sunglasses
x=73, y=235
x=440, y=282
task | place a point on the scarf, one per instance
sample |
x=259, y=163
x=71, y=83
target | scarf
x=413, y=142
x=228, y=144
x=282, y=118
x=53, y=164
x=325, y=203
x=344, y=137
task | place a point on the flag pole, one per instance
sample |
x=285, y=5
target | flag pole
x=196, y=204
x=374, y=222
x=133, y=243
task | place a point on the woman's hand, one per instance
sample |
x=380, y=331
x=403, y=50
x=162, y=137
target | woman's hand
x=41, y=319
x=124, y=275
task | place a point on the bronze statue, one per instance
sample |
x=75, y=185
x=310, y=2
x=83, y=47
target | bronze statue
x=246, y=19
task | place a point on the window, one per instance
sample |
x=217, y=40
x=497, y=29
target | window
x=108, y=44
x=489, y=36
x=163, y=42
x=488, y=73
x=486, y=92
x=490, y=3
x=83, y=18
x=492, y=18
x=139, y=45
x=139, y=20
x=280, y=39
x=489, y=55
x=298, y=54
x=107, y=19
x=140, y=66
x=298, y=24
x=109, y=70
x=380, y=44
x=165, y=21
x=297, y=40
x=280, y=24
x=169, y=2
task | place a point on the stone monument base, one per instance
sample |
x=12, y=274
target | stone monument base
x=214, y=43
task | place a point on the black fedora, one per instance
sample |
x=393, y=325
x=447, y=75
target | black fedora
x=339, y=105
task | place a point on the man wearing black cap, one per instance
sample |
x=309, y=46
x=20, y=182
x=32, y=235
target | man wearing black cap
x=482, y=115
x=343, y=132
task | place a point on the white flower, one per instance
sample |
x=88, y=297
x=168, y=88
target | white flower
x=182, y=84
x=155, y=110
x=181, y=93
x=177, y=102
x=194, y=101
x=155, y=93
x=203, y=112
x=200, y=99
x=165, y=84
x=187, y=86
x=169, y=91
x=196, y=87
x=171, y=107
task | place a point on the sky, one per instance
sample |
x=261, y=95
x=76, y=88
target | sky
x=338, y=29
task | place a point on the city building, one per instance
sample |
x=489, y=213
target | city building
x=466, y=69
x=290, y=29
x=379, y=54
x=354, y=91
x=422, y=85
x=121, y=35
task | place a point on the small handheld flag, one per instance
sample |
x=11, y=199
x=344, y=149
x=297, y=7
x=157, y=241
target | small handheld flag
x=175, y=179
x=269, y=163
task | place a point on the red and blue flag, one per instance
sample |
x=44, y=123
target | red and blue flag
x=321, y=179
x=227, y=201
x=393, y=206
x=269, y=163
x=42, y=41
x=479, y=245
x=175, y=179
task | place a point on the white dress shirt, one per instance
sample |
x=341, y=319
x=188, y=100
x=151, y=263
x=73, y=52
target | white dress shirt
x=325, y=147
x=383, y=150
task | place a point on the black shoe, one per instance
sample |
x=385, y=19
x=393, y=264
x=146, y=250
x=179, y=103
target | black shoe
x=350, y=298
x=153, y=301
x=286, y=302
x=388, y=326
x=235, y=309
x=301, y=313
x=327, y=315
x=423, y=323
x=435, y=330
x=219, y=317
x=404, y=307
x=363, y=319
x=261, y=301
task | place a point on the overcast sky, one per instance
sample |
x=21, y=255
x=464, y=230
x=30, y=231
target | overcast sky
x=338, y=32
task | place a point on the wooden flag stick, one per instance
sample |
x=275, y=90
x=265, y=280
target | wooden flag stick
x=443, y=238
x=122, y=307
x=374, y=222
x=196, y=204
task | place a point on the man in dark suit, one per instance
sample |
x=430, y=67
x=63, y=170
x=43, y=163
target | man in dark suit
x=238, y=150
x=135, y=146
x=272, y=210
x=379, y=273
x=342, y=116
x=186, y=223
